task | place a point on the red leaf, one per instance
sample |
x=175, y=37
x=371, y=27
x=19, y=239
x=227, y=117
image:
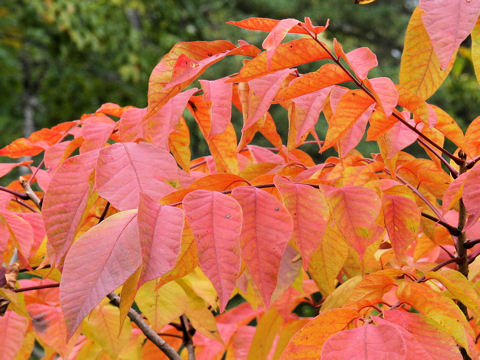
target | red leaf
x=216, y=222
x=448, y=23
x=160, y=229
x=366, y=342
x=361, y=60
x=267, y=227
x=309, y=210
x=219, y=93
x=65, y=200
x=129, y=128
x=126, y=169
x=117, y=255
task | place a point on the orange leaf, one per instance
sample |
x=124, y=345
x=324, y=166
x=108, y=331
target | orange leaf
x=413, y=103
x=179, y=144
x=449, y=127
x=265, y=24
x=287, y=55
x=472, y=138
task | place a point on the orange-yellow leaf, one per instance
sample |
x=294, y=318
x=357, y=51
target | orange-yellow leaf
x=179, y=144
x=472, y=138
x=449, y=127
x=328, y=74
x=413, y=103
x=268, y=327
x=475, y=35
x=350, y=107
x=287, y=55
x=420, y=69
x=265, y=24
x=307, y=342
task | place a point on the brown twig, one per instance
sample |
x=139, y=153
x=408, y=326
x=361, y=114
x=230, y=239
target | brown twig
x=38, y=287
x=187, y=337
x=147, y=330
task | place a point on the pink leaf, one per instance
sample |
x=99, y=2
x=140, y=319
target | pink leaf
x=309, y=210
x=362, y=60
x=355, y=210
x=219, y=93
x=400, y=136
x=126, y=169
x=13, y=328
x=387, y=93
x=95, y=131
x=216, y=222
x=366, y=342
x=307, y=111
x=354, y=135
x=160, y=125
x=267, y=227
x=276, y=36
x=65, y=201
x=5, y=168
x=130, y=125
x=160, y=229
x=448, y=23
x=261, y=93
x=21, y=231
x=471, y=191
x=101, y=260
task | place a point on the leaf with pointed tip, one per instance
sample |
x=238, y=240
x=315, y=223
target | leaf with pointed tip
x=449, y=127
x=95, y=132
x=223, y=147
x=327, y=75
x=355, y=210
x=385, y=92
x=303, y=115
x=219, y=93
x=130, y=125
x=179, y=144
x=117, y=254
x=454, y=192
x=287, y=55
x=402, y=221
x=413, y=103
x=276, y=36
x=57, y=153
x=262, y=90
x=308, y=341
x=159, y=126
x=361, y=60
x=349, y=109
x=160, y=228
x=265, y=24
x=112, y=109
x=107, y=318
x=354, y=135
x=420, y=69
x=216, y=222
x=267, y=227
x=459, y=287
x=266, y=330
x=202, y=53
x=372, y=342
x=65, y=201
x=423, y=340
x=5, y=168
x=13, y=328
x=472, y=138
x=126, y=169
x=309, y=210
x=448, y=23
x=20, y=231
x=444, y=313
x=328, y=259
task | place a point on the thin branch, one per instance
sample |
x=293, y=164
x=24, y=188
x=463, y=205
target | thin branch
x=20, y=195
x=439, y=266
x=31, y=194
x=187, y=337
x=38, y=287
x=441, y=158
x=24, y=204
x=451, y=229
x=147, y=330
x=471, y=243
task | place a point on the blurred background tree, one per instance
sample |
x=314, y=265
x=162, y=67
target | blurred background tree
x=63, y=58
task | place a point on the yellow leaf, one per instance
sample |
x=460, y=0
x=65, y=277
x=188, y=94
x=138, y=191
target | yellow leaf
x=129, y=290
x=339, y=296
x=476, y=49
x=328, y=260
x=443, y=311
x=107, y=318
x=267, y=329
x=163, y=305
x=420, y=69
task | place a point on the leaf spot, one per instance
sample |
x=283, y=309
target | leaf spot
x=277, y=208
x=228, y=216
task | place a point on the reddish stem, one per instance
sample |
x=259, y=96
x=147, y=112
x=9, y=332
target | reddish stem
x=38, y=287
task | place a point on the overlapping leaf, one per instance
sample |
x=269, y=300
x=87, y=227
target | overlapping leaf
x=216, y=222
